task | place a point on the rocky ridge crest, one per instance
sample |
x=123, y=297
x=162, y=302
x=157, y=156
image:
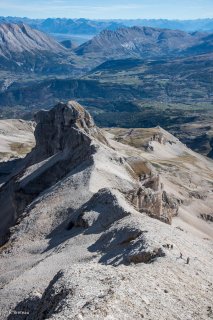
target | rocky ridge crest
x=81, y=203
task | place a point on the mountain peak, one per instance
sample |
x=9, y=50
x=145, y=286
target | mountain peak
x=70, y=113
x=66, y=137
x=64, y=128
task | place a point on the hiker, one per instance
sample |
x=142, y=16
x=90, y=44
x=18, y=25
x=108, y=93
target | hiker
x=181, y=255
x=187, y=261
x=171, y=246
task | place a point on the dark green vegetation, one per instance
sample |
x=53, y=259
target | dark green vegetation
x=177, y=87
x=128, y=101
x=185, y=80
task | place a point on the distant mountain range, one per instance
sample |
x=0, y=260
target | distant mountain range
x=25, y=49
x=145, y=42
x=92, y=27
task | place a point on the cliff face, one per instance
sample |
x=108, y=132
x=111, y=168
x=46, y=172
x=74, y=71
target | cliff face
x=65, y=128
x=64, y=138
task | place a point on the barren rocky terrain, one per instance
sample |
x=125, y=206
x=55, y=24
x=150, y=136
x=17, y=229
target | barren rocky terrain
x=144, y=42
x=16, y=138
x=24, y=49
x=106, y=224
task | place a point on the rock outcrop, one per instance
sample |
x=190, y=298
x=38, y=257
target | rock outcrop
x=65, y=128
x=101, y=211
x=152, y=199
x=65, y=137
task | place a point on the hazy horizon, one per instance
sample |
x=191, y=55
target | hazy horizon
x=100, y=19
x=110, y=10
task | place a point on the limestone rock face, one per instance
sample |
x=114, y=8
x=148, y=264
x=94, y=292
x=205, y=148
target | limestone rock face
x=152, y=199
x=65, y=138
x=63, y=128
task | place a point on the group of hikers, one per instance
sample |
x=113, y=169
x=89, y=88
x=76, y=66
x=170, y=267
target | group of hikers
x=181, y=257
x=170, y=246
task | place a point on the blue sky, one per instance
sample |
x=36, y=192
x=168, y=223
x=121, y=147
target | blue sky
x=108, y=9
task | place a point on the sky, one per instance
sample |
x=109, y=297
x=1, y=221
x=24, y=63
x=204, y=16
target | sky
x=108, y=9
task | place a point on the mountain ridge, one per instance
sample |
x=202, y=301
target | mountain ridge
x=141, y=42
x=97, y=211
x=88, y=26
x=25, y=49
x=18, y=38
